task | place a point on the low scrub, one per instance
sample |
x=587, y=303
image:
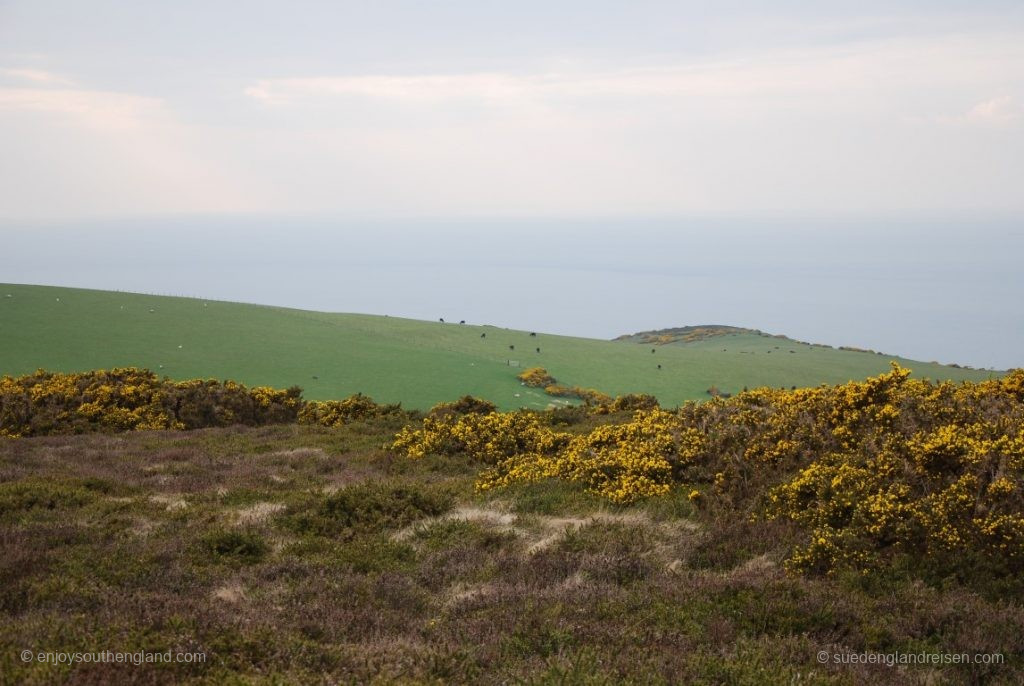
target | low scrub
x=370, y=508
x=870, y=471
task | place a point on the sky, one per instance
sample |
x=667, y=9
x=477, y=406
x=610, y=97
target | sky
x=482, y=108
x=844, y=172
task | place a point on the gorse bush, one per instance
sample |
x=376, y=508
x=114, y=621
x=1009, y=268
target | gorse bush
x=134, y=399
x=131, y=399
x=340, y=412
x=884, y=468
x=536, y=377
x=467, y=404
x=589, y=396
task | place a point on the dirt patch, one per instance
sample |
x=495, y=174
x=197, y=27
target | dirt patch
x=256, y=513
x=298, y=453
x=231, y=594
x=170, y=502
x=491, y=517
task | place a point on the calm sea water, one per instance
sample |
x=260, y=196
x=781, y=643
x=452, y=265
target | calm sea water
x=948, y=289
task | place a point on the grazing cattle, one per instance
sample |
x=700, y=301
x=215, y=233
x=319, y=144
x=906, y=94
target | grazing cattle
x=533, y=333
x=462, y=322
x=483, y=335
x=652, y=351
x=538, y=349
x=511, y=347
x=441, y=320
x=659, y=366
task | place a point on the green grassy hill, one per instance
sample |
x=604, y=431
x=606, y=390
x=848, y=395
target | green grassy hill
x=395, y=360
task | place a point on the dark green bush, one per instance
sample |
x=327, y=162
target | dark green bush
x=246, y=547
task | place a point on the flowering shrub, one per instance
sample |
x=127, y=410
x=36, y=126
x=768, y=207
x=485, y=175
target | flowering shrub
x=868, y=470
x=336, y=413
x=489, y=438
x=127, y=399
x=622, y=462
x=467, y=404
x=591, y=397
x=536, y=377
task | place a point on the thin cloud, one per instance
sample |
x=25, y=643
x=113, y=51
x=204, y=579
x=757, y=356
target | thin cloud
x=40, y=76
x=97, y=109
x=846, y=72
x=999, y=111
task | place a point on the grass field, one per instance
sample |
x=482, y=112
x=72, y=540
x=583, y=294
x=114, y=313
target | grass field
x=413, y=362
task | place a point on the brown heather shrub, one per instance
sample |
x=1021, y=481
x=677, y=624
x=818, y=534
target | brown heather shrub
x=467, y=404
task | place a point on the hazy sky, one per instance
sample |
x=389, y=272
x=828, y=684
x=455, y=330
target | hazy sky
x=478, y=108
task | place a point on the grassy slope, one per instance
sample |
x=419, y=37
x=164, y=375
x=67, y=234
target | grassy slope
x=394, y=360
